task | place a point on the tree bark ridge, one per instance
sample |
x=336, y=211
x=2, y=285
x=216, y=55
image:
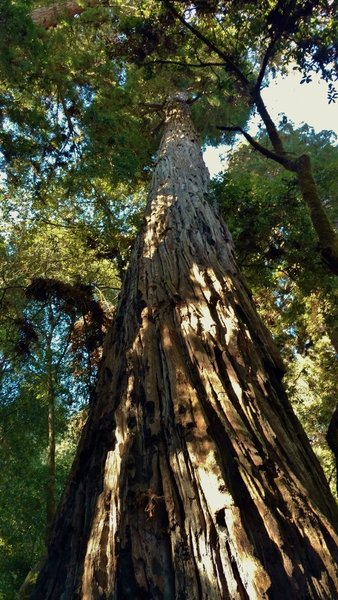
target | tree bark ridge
x=193, y=478
x=50, y=16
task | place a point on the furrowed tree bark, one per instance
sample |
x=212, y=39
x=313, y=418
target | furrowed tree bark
x=332, y=439
x=193, y=478
x=50, y=16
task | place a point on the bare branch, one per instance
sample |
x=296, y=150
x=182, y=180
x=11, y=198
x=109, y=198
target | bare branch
x=151, y=106
x=265, y=61
x=268, y=122
x=184, y=64
x=282, y=160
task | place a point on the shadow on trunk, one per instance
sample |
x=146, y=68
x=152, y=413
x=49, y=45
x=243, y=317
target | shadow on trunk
x=193, y=478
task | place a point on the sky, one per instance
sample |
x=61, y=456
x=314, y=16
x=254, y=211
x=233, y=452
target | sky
x=306, y=103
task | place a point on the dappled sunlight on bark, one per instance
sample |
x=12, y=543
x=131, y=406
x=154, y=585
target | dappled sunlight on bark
x=193, y=478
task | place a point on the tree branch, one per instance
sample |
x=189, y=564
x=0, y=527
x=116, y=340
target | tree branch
x=282, y=160
x=284, y=16
x=230, y=65
x=268, y=122
x=233, y=69
x=184, y=64
x=265, y=61
x=151, y=107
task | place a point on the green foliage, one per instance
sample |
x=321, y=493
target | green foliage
x=23, y=480
x=304, y=33
x=24, y=434
x=265, y=211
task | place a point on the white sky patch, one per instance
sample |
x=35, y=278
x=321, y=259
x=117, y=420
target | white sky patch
x=306, y=103
x=215, y=159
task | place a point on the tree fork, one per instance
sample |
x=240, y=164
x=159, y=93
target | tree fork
x=328, y=238
x=193, y=478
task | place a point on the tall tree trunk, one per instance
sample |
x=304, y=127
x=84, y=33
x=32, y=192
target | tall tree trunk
x=193, y=477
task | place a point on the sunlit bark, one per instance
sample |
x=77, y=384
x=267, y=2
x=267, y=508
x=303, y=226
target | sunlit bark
x=326, y=232
x=193, y=478
x=49, y=16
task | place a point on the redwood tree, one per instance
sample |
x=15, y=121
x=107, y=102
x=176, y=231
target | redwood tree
x=193, y=478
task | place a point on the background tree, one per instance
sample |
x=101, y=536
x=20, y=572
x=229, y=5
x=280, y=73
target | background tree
x=51, y=333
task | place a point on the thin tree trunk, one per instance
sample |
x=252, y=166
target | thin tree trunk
x=51, y=458
x=51, y=427
x=327, y=236
x=332, y=332
x=193, y=477
x=331, y=325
